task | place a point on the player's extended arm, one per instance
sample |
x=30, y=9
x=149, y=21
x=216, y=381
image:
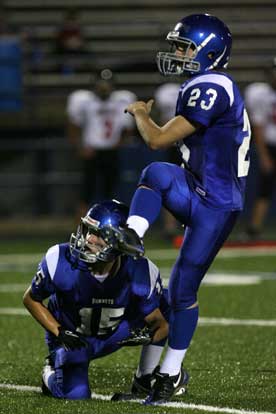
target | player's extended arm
x=157, y=324
x=157, y=137
x=69, y=340
x=41, y=313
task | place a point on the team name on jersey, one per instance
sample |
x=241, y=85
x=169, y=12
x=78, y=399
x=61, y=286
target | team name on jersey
x=102, y=301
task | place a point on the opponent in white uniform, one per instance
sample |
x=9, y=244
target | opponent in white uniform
x=96, y=124
x=260, y=99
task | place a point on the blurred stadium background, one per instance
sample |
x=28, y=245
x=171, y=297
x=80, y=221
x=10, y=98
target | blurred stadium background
x=39, y=175
x=232, y=361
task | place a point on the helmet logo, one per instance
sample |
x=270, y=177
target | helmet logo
x=173, y=34
x=92, y=221
x=177, y=27
x=205, y=41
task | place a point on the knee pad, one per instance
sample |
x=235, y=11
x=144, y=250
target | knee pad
x=80, y=392
x=156, y=176
x=62, y=357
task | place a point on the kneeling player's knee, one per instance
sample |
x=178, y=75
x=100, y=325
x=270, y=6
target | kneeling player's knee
x=80, y=392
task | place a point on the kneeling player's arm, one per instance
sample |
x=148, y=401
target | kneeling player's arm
x=40, y=313
x=158, y=324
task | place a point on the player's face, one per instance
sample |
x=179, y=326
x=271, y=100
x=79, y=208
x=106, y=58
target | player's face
x=94, y=243
x=182, y=51
x=103, y=89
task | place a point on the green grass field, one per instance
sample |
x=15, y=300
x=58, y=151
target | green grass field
x=231, y=361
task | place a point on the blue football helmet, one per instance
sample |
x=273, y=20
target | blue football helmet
x=204, y=43
x=100, y=217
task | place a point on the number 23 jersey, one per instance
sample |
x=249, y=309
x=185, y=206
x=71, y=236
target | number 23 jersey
x=217, y=153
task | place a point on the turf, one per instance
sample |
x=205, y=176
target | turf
x=229, y=366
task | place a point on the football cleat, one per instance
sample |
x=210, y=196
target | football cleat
x=165, y=387
x=47, y=371
x=124, y=239
x=141, y=386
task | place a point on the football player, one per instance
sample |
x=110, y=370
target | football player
x=96, y=128
x=99, y=300
x=212, y=131
x=260, y=99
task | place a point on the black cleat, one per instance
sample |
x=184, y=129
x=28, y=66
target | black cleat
x=47, y=370
x=125, y=240
x=141, y=386
x=45, y=390
x=167, y=386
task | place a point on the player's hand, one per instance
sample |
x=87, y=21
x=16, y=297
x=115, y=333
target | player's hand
x=139, y=106
x=71, y=340
x=138, y=336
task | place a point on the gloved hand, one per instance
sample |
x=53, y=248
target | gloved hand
x=70, y=340
x=138, y=336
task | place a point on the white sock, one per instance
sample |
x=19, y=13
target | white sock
x=149, y=359
x=172, y=362
x=47, y=373
x=139, y=224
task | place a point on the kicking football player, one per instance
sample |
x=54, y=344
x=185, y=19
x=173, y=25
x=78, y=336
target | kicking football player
x=212, y=132
x=99, y=300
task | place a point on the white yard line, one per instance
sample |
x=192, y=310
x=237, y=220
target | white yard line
x=14, y=311
x=224, y=253
x=225, y=279
x=237, y=322
x=182, y=405
x=13, y=287
x=202, y=321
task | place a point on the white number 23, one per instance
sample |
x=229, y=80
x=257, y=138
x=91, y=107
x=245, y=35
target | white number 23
x=204, y=104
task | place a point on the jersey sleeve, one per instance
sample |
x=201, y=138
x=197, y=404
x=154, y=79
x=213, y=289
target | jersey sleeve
x=43, y=284
x=203, y=102
x=147, y=286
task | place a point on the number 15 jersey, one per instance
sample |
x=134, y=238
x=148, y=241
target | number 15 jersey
x=217, y=153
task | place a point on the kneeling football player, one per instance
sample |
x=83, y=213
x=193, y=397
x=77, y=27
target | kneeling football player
x=99, y=301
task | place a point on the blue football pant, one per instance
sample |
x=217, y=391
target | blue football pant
x=70, y=379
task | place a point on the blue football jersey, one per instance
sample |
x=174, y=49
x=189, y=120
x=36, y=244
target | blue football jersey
x=95, y=308
x=217, y=154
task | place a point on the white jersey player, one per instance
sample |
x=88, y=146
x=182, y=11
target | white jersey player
x=102, y=121
x=165, y=99
x=96, y=124
x=260, y=99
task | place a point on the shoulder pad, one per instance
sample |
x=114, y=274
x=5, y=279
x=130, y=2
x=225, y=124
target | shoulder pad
x=51, y=258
